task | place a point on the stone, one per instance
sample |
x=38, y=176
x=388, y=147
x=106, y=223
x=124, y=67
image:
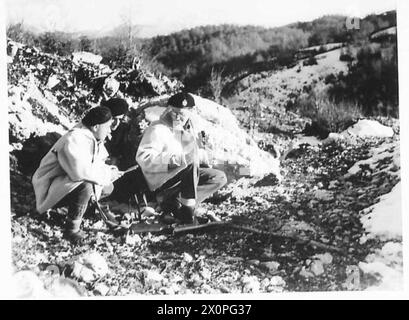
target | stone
x=98, y=225
x=89, y=267
x=82, y=273
x=317, y=267
x=196, y=280
x=332, y=184
x=259, y=200
x=101, y=289
x=133, y=240
x=187, y=257
x=325, y=258
x=250, y=284
x=300, y=213
x=277, y=281
x=305, y=273
x=323, y=195
x=153, y=276
x=270, y=266
x=52, y=81
x=206, y=273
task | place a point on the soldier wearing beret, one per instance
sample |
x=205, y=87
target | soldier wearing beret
x=74, y=169
x=169, y=156
x=119, y=108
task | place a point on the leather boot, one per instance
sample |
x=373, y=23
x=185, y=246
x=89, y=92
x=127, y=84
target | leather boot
x=186, y=215
x=72, y=231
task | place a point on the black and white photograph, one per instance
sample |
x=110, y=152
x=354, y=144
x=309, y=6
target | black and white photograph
x=203, y=148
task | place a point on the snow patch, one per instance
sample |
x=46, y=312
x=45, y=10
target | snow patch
x=383, y=221
x=378, y=156
x=386, y=266
x=369, y=129
x=385, y=218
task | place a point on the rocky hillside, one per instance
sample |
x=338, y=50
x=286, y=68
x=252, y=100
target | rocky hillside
x=320, y=228
x=48, y=94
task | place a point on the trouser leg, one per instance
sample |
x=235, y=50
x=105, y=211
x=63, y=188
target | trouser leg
x=185, y=183
x=197, y=186
x=77, y=202
x=210, y=180
x=197, y=183
x=107, y=191
x=188, y=185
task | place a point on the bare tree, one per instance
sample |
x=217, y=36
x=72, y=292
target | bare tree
x=129, y=34
x=216, y=84
x=254, y=110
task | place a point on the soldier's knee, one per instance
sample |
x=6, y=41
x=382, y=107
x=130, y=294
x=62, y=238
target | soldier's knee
x=107, y=190
x=86, y=188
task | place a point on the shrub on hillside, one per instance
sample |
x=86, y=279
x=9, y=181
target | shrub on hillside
x=326, y=115
x=330, y=78
x=19, y=33
x=216, y=83
x=310, y=61
x=345, y=57
x=372, y=82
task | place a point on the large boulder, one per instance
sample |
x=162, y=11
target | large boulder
x=86, y=57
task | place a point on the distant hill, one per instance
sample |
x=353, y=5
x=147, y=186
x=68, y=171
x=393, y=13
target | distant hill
x=191, y=54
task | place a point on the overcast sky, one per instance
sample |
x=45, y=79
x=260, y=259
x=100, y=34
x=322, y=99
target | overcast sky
x=171, y=15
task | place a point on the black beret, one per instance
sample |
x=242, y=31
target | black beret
x=97, y=115
x=181, y=100
x=117, y=106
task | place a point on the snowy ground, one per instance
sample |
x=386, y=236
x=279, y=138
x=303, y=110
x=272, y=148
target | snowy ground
x=383, y=221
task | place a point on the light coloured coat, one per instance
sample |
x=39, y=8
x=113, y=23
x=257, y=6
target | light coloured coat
x=76, y=157
x=161, y=145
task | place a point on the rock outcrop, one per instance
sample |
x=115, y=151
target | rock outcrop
x=50, y=93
